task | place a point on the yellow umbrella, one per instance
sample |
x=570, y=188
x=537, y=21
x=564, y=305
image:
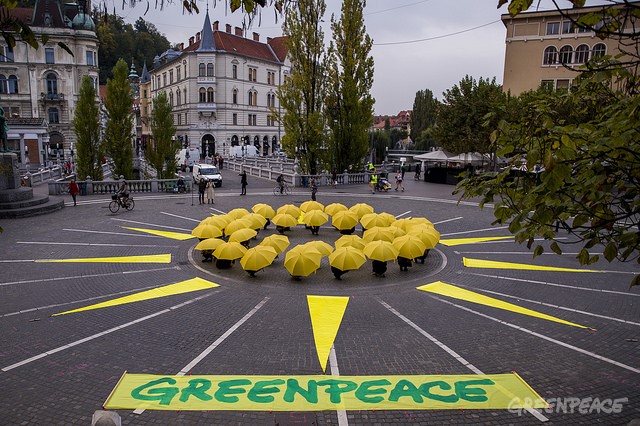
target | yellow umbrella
x=257, y=220
x=284, y=220
x=238, y=213
x=209, y=244
x=242, y=235
x=378, y=233
x=307, y=206
x=397, y=232
x=221, y=221
x=334, y=208
x=301, y=263
x=380, y=250
x=350, y=241
x=409, y=246
x=278, y=242
x=344, y=220
x=237, y=224
x=324, y=248
x=417, y=221
x=289, y=209
x=315, y=218
x=347, y=258
x=230, y=251
x=206, y=231
x=429, y=236
x=389, y=217
x=264, y=209
x=402, y=223
x=257, y=258
x=361, y=209
x=370, y=220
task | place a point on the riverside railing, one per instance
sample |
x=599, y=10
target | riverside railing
x=96, y=187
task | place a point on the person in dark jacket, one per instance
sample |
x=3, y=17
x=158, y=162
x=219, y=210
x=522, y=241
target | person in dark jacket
x=243, y=182
x=202, y=187
x=379, y=268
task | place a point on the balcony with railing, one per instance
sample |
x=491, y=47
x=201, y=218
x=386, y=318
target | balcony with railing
x=52, y=97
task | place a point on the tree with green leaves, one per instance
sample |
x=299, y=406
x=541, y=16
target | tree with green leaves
x=349, y=104
x=584, y=145
x=86, y=126
x=461, y=124
x=423, y=117
x=118, y=136
x=302, y=93
x=161, y=150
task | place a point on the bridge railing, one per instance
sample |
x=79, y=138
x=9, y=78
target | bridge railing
x=93, y=187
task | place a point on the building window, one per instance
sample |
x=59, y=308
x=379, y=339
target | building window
x=201, y=70
x=563, y=84
x=178, y=73
x=202, y=95
x=12, y=84
x=253, y=74
x=547, y=85
x=271, y=77
x=170, y=76
x=567, y=27
x=186, y=100
x=210, y=97
x=52, y=86
x=553, y=28
x=210, y=69
x=179, y=119
x=234, y=96
x=252, y=120
x=49, y=57
x=178, y=97
x=164, y=79
x=91, y=58
x=3, y=84
x=582, y=54
x=234, y=70
x=566, y=53
x=582, y=29
x=6, y=55
x=171, y=98
x=186, y=121
x=550, y=55
x=235, y=119
x=599, y=50
x=253, y=98
x=53, y=115
x=271, y=99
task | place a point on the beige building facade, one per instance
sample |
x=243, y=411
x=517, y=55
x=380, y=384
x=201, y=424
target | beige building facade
x=542, y=47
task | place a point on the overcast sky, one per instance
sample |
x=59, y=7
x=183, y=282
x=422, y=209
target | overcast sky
x=418, y=44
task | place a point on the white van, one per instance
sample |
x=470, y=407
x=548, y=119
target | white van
x=237, y=151
x=185, y=160
x=207, y=171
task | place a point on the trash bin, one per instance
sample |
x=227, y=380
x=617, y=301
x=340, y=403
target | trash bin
x=83, y=188
x=304, y=180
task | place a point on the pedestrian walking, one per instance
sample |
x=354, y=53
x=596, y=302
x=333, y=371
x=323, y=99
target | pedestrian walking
x=211, y=193
x=334, y=178
x=221, y=162
x=399, y=181
x=243, y=182
x=314, y=189
x=202, y=187
x=73, y=190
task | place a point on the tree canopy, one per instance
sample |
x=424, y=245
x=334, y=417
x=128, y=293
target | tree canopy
x=161, y=150
x=86, y=126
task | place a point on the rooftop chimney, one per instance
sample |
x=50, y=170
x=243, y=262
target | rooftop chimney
x=190, y=41
x=228, y=28
x=180, y=47
x=215, y=25
x=197, y=37
x=256, y=37
x=238, y=31
x=269, y=40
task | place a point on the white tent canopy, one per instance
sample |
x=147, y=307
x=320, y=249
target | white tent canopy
x=438, y=155
x=468, y=157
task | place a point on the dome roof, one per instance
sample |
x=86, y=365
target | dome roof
x=82, y=21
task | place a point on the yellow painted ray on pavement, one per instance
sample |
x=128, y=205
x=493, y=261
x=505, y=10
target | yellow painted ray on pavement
x=326, y=315
x=449, y=290
x=450, y=242
x=151, y=258
x=167, y=234
x=492, y=264
x=194, y=284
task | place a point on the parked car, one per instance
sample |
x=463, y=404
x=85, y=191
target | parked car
x=207, y=171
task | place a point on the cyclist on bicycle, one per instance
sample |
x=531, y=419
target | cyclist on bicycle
x=123, y=190
x=280, y=180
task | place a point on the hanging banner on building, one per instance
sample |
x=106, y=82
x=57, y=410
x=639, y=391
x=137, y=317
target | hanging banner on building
x=317, y=393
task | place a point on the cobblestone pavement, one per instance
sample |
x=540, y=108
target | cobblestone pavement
x=60, y=369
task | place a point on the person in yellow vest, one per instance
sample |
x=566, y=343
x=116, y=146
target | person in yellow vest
x=373, y=181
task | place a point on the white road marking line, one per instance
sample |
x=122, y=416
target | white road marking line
x=542, y=336
x=73, y=277
x=112, y=233
x=509, y=252
x=552, y=305
x=403, y=214
x=180, y=217
x=217, y=210
x=448, y=220
x=151, y=224
x=57, y=305
x=94, y=244
x=335, y=371
x=104, y=333
x=215, y=344
x=554, y=284
x=473, y=231
x=16, y=260
x=451, y=352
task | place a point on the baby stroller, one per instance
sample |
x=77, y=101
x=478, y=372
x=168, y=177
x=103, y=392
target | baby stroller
x=383, y=185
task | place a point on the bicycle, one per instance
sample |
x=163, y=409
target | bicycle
x=285, y=190
x=126, y=203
